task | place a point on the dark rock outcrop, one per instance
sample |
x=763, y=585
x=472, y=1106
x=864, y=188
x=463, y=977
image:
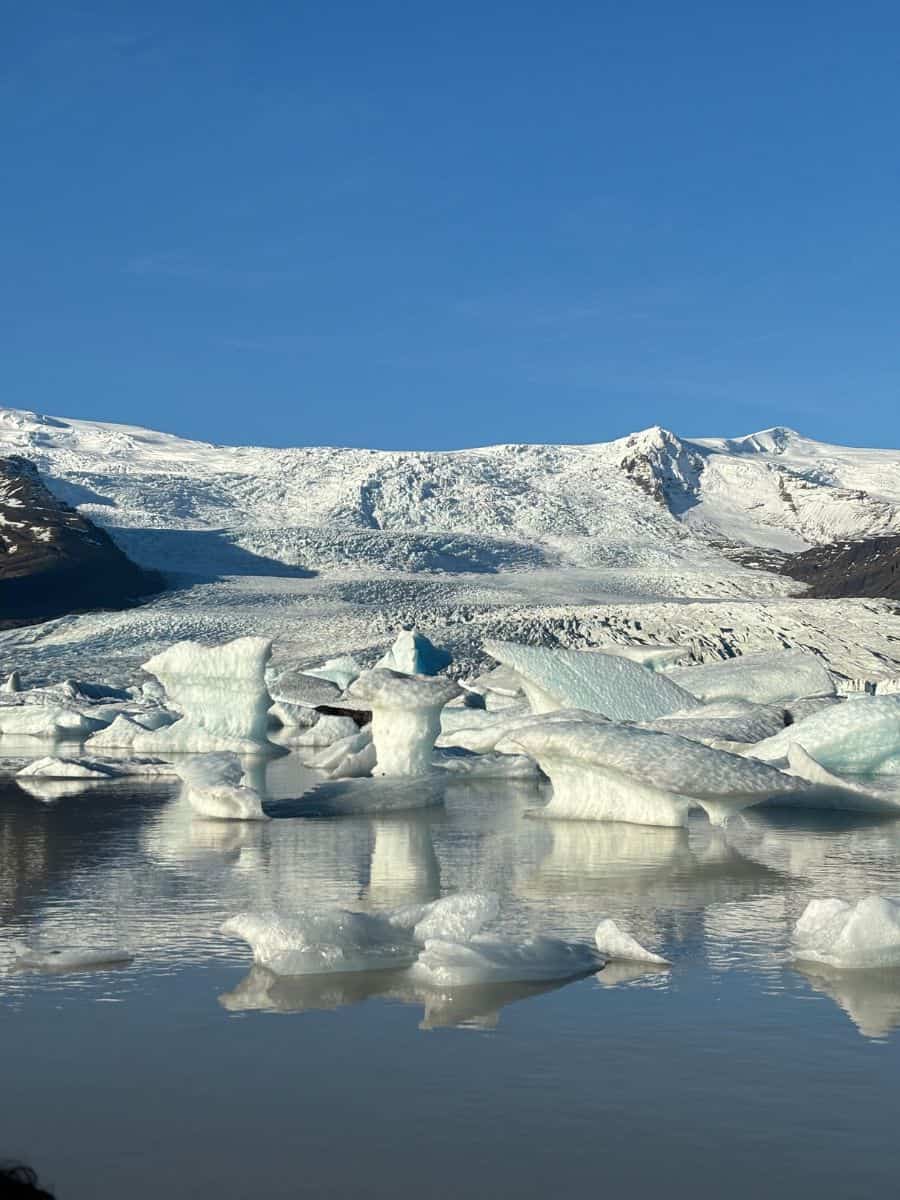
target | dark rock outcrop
x=53, y=560
x=869, y=567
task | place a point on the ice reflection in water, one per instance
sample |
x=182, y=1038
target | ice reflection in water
x=129, y=865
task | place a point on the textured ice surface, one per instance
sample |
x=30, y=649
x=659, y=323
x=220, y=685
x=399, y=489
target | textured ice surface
x=327, y=730
x=413, y=654
x=655, y=658
x=881, y=795
x=486, y=959
x=724, y=721
x=68, y=958
x=351, y=757
x=765, y=677
x=215, y=791
x=44, y=721
x=623, y=773
x=488, y=731
x=858, y=736
x=221, y=692
x=326, y=941
x=94, y=768
x=406, y=717
x=849, y=936
x=612, y=686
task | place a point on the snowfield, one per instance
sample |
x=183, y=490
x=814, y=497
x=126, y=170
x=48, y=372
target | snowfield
x=328, y=550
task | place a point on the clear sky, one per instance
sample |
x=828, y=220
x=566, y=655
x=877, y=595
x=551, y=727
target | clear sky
x=435, y=225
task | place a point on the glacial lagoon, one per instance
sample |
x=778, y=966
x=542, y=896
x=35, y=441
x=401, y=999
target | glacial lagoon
x=190, y=1071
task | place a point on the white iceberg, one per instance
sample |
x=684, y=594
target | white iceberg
x=413, y=654
x=849, y=936
x=846, y=795
x=485, y=736
x=219, y=690
x=331, y=941
x=623, y=773
x=861, y=735
x=406, y=717
x=350, y=757
x=485, y=959
x=327, y=730
x=94, y=768
x=487, y=766
x=67, y=958
x=215, y=789
x=12, y=683
x=766, y=677
x=45, y=721
x=601, y=683
x=655, y=658
x=739, y=721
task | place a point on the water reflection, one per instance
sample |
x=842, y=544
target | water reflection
x=871, y=999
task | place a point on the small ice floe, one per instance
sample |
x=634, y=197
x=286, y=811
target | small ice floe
x=485, y=959
x=848, y=936
x=766, y=677
x=406, y=717
x=215, y=789
x=624, y=773
x=367, y=797
x=413, y=654
x=68, y=958
x=859, y=736
x=602, y=683
x=328, y=941
x=49, y=721
x=94, y=768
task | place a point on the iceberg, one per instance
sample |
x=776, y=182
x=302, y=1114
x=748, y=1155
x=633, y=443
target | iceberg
x=766, y=677
x=45, y=721
x=485, y=736
x=655, y=658
x=623, y=773
x=326, y=731
x=844, y=794
x=849, y=936
x=339, y=671
x=606, y=684
x=351, y=757
x=12, y=683
x=484, y=959
x=68, y=958
x=221, y=693
x=413, y=654
x=94, y=768
x=487, y=766
x=332, y=941
x=215, y=789
x=406, y=717
x=858, y=736
x=739, y=721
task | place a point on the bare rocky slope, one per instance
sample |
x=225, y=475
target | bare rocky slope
x=53, y=559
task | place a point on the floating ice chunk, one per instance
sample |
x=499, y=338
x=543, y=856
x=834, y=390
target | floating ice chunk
x=406, y=717
x=347, y=797
x=485, y=736
x=44, y=721
x=221, y=691
x=68, y=958
x=300, y=689
x=829, y=791
x=724, y=721
x=12, y=683
x=413, y=654
x=614, y=944
x=339, y=671
x=293, y=716
x=51, y=790
x=766, y=677
x=453, y=719
x=486, y=960
x=861, y=735
x=94, y=768
x=326, y=941
x=849, y=936
x=215, y=791
x=326, y=731
x=500, y=681
x=623, y=773
x=601, y=683
x=487, y=766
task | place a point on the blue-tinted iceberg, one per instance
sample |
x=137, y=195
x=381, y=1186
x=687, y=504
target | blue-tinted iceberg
x=601, y=683
x=413, y=654
x=859, y=736
x=766, y=678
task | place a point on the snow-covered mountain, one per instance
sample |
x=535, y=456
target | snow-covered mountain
x=346, y=544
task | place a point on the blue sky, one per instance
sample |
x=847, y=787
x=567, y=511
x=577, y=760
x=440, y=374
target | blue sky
x=420, y=225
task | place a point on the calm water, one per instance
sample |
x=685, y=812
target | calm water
x=188, y=1073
